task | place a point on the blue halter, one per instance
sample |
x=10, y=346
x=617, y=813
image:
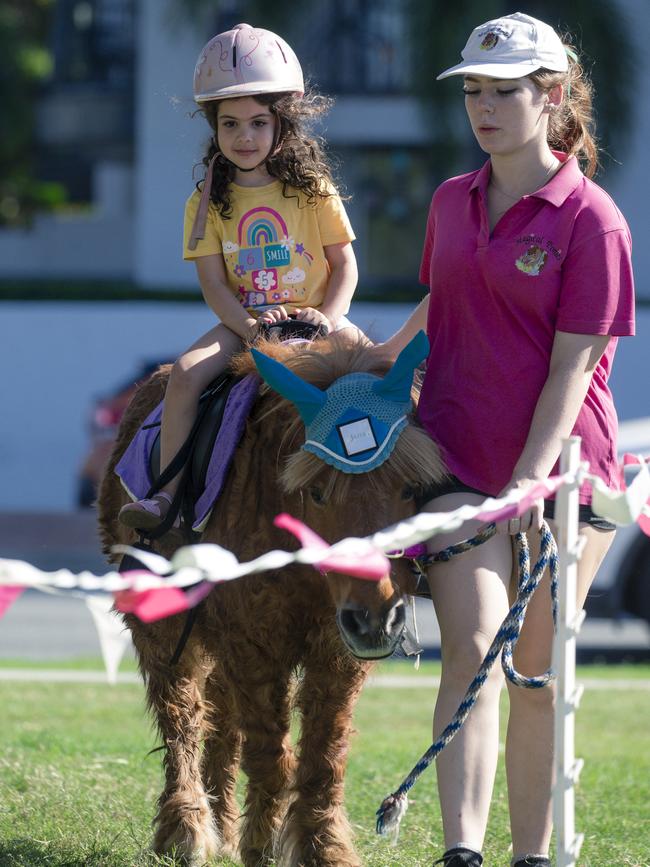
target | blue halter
x=355, y=423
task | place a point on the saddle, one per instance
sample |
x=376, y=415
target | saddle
x=203, y=459
x=212, y=405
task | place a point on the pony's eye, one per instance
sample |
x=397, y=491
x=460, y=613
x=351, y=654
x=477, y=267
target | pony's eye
x=317, y=496
x=408, y=493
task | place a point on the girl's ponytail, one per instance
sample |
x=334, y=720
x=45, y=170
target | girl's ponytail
x=571, y=126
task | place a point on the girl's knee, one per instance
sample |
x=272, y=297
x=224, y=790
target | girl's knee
x=537, y=700
x=184, y=375
x=531, y=659
x=461, y=662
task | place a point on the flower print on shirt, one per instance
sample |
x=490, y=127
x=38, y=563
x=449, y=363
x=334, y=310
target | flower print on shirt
x=265, y=280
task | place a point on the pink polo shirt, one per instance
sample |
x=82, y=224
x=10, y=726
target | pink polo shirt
x=558, y=260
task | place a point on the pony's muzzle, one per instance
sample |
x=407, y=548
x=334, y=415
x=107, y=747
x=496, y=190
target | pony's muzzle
x=371, y=634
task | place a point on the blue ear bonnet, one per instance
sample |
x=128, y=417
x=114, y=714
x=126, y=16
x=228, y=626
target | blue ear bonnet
x=355, y=423
x=356, y=429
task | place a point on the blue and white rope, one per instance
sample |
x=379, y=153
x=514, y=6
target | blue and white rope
x=395, y=805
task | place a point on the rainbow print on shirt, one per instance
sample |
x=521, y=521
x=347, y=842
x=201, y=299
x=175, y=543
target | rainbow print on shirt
x=262, y=260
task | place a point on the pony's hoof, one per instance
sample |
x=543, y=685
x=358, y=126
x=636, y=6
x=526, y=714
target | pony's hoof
x=194, y=843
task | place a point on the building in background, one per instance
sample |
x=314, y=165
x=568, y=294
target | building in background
x=116, y=127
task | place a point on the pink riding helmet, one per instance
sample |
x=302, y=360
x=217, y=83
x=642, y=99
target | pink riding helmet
x=246, y=61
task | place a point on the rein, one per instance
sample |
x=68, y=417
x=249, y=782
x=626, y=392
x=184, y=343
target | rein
x=395, y=805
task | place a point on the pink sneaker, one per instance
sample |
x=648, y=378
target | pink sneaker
x=147, y=514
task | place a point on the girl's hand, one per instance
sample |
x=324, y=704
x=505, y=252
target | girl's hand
x=314, y=317
x=273, y=314
x=531, y=519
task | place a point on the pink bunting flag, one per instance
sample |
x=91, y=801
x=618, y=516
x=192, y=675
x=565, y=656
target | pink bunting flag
x=153, y=604
x=8, y=595
x=538, y=491
x=159, y=602
x=372, y=566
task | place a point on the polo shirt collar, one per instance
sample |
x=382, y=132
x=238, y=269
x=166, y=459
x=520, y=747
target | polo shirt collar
x=556, y=191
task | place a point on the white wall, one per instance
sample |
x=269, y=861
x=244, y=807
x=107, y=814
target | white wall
x=58, y=357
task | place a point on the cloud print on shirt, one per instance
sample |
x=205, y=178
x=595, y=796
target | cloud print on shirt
x=296, y=275
x=230, y=247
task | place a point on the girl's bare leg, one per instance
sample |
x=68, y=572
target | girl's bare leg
x=471, y=599
x=529, y=740
x=190, y=375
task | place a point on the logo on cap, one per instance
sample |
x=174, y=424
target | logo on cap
x=491, y=37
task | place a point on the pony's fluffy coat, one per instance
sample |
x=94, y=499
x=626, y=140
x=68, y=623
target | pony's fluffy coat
x=228, y=702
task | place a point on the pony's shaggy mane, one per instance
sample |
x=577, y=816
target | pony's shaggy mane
x=415, y=461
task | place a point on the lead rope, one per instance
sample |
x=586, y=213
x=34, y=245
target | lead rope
x=390, y=813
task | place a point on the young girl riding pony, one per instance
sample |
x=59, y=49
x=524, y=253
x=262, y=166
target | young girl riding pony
x=268, y=232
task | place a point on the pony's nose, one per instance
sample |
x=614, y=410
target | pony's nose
x=356, y=621
x=372, y=633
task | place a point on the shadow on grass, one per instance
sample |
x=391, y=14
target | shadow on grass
x=23, y=852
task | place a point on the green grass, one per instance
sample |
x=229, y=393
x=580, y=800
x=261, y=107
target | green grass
x=428, y=668
x=78, y=788
x=79, y=663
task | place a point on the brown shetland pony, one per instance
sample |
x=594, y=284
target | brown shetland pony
x=267, y=644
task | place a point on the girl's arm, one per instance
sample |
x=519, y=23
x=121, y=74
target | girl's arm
x=417, y=321
x=218, y=296
x=573, y=360
x=340, y=287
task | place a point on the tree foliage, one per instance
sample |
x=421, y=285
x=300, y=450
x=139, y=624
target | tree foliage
x=24, y=26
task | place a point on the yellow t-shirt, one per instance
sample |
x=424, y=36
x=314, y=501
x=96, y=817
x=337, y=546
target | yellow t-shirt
x=272, y=245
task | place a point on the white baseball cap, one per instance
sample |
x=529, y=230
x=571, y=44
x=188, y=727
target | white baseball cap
x=511, y=47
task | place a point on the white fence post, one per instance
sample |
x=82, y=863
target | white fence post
x=567, y=769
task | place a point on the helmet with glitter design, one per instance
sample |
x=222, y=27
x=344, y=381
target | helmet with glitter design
x=354, y=424
x=246, y=61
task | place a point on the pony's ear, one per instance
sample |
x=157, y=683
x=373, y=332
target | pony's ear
x=396, y=385
x=307, y=398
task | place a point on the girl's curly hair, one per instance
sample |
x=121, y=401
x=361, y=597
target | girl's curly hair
x=298, y=158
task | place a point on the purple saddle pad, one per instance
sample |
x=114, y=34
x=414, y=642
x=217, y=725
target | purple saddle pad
x=133, y=467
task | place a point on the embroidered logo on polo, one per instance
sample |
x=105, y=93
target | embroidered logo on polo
x=262, y=259
x=491, y=37
x=532, y=261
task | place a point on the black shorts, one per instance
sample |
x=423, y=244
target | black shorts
x=453, y=485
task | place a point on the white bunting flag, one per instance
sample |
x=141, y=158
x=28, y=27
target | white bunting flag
x=114, y=637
